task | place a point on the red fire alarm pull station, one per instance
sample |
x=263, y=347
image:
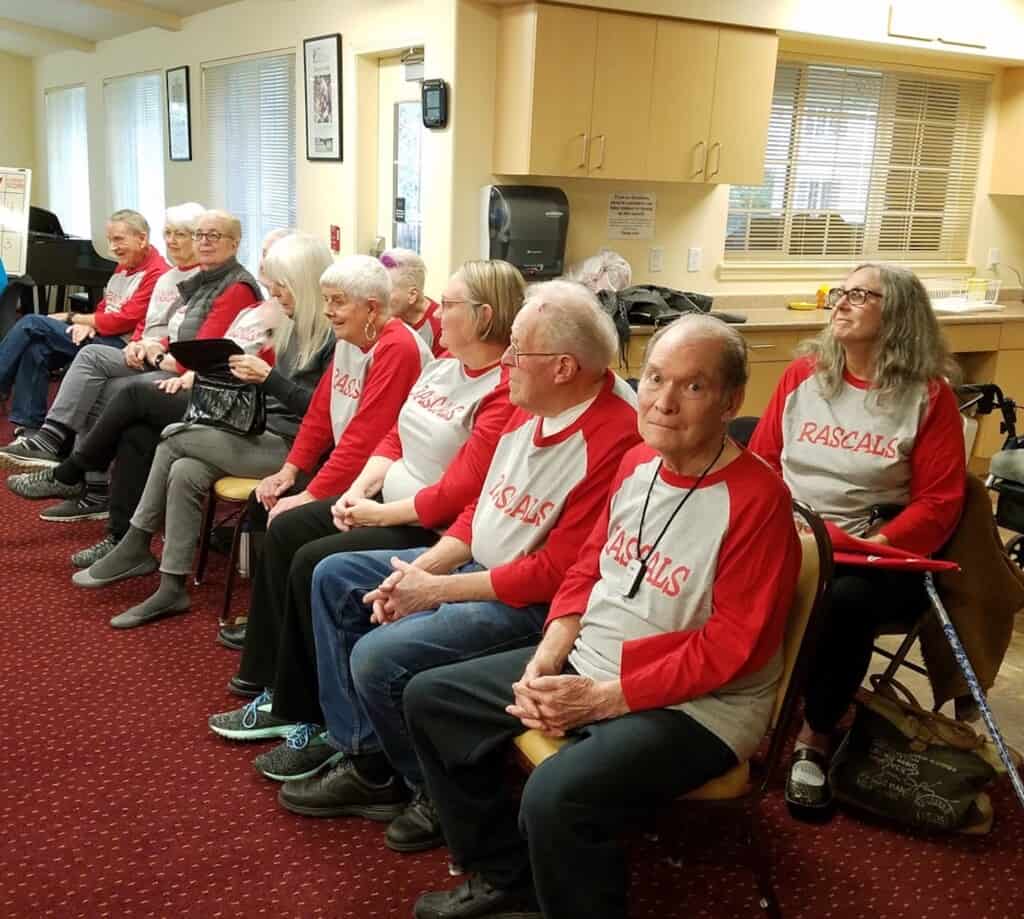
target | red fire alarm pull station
x=335, y=238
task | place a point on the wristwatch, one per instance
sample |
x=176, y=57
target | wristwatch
x=70, y=319
x=159, y=359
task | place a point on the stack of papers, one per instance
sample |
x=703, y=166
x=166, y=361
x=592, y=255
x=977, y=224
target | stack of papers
x=963, y=305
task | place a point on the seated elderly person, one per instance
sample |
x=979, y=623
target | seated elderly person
x=486, y=584
x=408, y=302
x=865, y=419
x=38, y=344
x=95, y=373
x=659, y=661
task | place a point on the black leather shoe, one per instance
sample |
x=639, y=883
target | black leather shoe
x=416, y=829
x=232, y=636
x=343, y=792
x=244, y=688
x=476, y=899
x=809, y=801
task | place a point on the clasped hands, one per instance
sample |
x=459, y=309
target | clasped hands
x=353, y=510
x=406, y=590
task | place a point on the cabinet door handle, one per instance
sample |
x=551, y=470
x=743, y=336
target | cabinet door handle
x=702, y=160
x=604, y=140
x=582, y=164
x=718, y=159
x=759, y=347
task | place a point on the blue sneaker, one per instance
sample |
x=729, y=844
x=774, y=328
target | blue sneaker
x=251, y=722
x=304, y=753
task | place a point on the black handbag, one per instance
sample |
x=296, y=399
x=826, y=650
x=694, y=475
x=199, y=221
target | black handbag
x=217, y=398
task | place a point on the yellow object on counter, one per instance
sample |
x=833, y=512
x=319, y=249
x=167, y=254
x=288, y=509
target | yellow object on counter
x=823, y=290
x=801, y=305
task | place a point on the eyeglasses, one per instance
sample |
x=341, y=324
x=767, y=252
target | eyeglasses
x=213, y=236
x=512, y=354
x=855, y=296
x=445, y=304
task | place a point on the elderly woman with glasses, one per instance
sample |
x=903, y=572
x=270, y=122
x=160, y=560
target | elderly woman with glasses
x=865, y=420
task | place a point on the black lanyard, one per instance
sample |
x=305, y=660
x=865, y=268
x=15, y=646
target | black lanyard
x=638, y=567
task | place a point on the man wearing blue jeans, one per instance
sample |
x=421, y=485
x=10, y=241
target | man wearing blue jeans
x=381, y=617
x=38, y=344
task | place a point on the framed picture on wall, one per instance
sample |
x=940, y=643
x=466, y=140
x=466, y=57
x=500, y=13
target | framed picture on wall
x=179, y=118
x=322, y=59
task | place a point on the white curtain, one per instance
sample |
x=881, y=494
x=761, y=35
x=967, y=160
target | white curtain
x=135, y=148
x=250, y=142
x=67, y=159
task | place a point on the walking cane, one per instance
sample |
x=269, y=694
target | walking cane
x=972, y=681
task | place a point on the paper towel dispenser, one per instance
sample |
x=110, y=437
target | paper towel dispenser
x=527, y=226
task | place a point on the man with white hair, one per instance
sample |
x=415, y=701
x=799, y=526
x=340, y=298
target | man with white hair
x=37, y=344
x=408, y=302
x=485, y=585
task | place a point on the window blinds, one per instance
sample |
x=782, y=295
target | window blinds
x=67, y=159
x=250, y=137
x=135, y=147
x=862, y=163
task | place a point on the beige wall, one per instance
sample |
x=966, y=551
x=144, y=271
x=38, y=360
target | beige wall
x=17, y=139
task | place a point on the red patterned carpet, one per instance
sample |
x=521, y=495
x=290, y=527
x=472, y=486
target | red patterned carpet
x=115, y=800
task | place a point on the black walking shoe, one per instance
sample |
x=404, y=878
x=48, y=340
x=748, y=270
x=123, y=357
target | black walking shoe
x=343, y=792
x=74, y=509
x=232, y=636
x=239, y=687
x=417, y=828
x=808, y=794
x=24, y=453
x=476, y=899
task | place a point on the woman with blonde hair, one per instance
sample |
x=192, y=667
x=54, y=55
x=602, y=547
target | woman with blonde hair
x=189, y=460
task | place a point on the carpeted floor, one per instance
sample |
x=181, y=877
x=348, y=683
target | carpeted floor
x=115, y=799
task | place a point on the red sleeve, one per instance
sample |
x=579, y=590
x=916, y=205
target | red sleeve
x=390, y=445
x=269, y=355
x=133, y=310
x=766, y=441
x=754, y=584
x=938, y=474
x=441, y=502
x=535, y=578
x=224, y=310
x=396, y=366
x=315, y=435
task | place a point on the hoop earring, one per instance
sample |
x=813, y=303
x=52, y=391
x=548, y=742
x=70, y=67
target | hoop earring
x=367, y=329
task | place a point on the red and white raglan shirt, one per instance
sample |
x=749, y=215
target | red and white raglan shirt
x=164, y=302
x=126, y=297
x=355, y=404
x=703, y=632
x=445, y=437
x=546, y=483
x=845, y=454
x=253, y=329
x=428, y=327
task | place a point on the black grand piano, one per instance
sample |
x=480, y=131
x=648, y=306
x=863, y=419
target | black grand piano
x=53, y=259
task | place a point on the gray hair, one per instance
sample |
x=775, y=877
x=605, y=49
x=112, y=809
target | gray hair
x=410, y=270
x=733, y=364
x=574, y=323
x=131, y=219
x=607, y=270
x=184, y=215
x=231, y=223
x=910, y=346
x=361, y=278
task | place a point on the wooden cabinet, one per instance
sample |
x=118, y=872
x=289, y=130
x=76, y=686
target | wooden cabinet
x=619, y=96
x=1007, y=175
x=711, y=103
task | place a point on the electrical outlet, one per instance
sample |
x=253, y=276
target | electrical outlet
x=993, y=258
x=655, y=258
x=693, y=255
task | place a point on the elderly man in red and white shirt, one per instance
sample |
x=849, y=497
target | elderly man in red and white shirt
x=659, y=661
x=486, y=584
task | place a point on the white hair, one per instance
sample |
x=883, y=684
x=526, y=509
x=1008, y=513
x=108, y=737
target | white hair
x=409, y=269
x=572, y=322
x=184, y=215
x=361, y=278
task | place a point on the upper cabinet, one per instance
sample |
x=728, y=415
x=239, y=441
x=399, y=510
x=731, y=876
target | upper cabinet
x=618, y=96
x=1007, y=174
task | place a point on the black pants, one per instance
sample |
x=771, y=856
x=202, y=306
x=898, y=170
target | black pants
x=126, y=434
x=565, y=832
x=862, y=600
x=279, y=648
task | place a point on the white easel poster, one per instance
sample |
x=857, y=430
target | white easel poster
x=15, y=189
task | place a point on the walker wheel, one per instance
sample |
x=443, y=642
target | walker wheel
x=1015, y=549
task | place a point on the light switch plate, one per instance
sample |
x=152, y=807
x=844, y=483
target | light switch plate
x=655, y=258
x=693, y=255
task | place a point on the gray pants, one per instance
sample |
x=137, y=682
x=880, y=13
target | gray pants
x=186, y=465
x=92, y=380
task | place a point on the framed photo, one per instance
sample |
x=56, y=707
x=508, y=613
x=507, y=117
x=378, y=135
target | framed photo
x=322, y=59
x=179, y=118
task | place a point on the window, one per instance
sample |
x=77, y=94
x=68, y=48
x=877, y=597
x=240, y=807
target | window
x=67, y=159
x=408, y=221
x=135, y=147
x=250, y=137
x=862, y=163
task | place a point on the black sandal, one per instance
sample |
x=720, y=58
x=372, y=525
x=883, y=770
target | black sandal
x=811, y=803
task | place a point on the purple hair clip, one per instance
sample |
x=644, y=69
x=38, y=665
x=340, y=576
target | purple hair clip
x=387, y=261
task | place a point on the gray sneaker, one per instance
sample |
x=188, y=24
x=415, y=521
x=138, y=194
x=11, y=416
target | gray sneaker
x=305, y=752
x=25, y=453
x=84, y=558
x=77, y=508
x=251, y=722
x=41, y=484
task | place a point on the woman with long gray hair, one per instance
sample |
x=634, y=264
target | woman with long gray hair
x=865, y=419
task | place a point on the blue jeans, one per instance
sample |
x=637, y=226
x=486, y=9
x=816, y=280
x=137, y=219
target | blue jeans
x=364, y=669
x=29, y=351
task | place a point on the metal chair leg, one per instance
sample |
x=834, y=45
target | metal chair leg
x=229, y=581
x=204, y=537
x=761, y=864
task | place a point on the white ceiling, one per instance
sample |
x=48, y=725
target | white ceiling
x=36, y=27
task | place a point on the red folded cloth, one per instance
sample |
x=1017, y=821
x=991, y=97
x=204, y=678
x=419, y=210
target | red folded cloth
x=849, y=550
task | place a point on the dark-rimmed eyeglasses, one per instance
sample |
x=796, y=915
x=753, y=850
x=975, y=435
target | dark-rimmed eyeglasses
x=855, y=296
x=211, y=235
